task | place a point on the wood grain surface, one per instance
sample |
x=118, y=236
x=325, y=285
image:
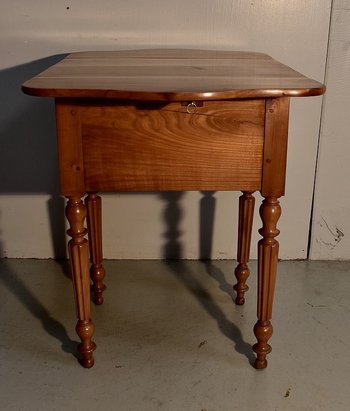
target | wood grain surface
x=131, y=148
x=171, y=75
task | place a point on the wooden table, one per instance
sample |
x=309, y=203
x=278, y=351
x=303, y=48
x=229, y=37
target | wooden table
x=171, y=120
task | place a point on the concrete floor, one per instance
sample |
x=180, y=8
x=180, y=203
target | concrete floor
x=170, y=338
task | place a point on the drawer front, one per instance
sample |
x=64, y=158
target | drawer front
x=217, y=146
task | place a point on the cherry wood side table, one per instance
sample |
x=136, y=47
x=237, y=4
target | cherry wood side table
x=171, y=120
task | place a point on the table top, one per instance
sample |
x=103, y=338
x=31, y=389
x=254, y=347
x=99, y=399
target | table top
x=171, y=75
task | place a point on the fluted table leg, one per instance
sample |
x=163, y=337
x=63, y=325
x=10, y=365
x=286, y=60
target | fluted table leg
x=79, y=257
x=245, y=224
x=270, y=212
x=94, y=223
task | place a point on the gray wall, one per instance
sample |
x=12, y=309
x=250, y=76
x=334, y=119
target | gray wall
x=35, y=34
x=331, y=222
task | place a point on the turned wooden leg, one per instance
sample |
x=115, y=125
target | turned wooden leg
x=270, y=212
x=245, y=224
x=79, y=257
x=94, y=223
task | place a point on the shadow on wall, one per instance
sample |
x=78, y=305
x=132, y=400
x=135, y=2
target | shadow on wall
x=28, y=157
x=28, y=161
x=27, y=130
x=172, y=249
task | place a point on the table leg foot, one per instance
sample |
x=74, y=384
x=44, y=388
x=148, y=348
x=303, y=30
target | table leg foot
x=245, y=224
x=242, y=273
x=85, y=330
x=263, y=332
x=94, y=222
x=97, y=274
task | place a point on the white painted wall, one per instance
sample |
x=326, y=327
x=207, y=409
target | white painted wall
x=294, y=32
x=331, y=219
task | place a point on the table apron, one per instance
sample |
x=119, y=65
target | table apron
x=149, y=147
